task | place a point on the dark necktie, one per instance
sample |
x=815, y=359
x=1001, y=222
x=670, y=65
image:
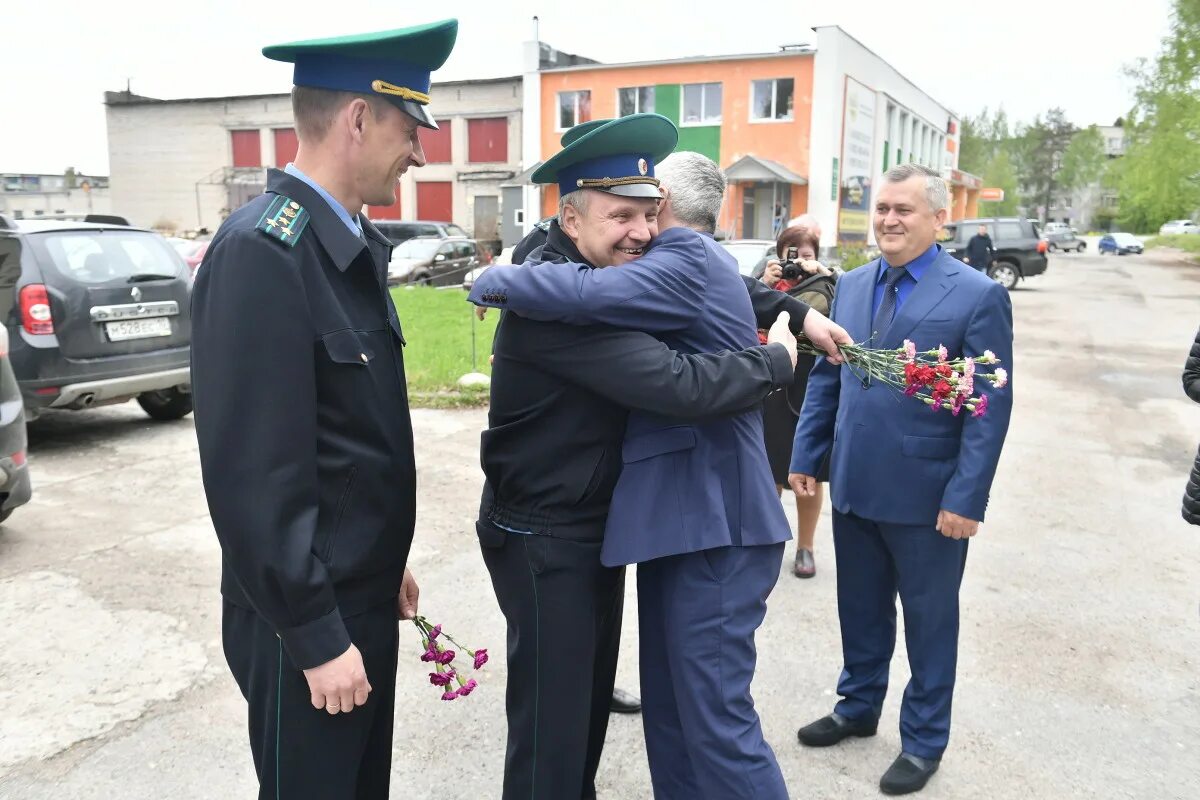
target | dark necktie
x=887, y=308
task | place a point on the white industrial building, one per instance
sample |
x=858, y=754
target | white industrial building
x=26, y=195
x=183, y=165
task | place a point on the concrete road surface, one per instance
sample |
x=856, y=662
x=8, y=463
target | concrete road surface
x=1079, y=674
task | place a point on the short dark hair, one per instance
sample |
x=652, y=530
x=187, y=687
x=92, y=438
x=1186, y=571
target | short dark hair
x=314, y=109
x=797, y=236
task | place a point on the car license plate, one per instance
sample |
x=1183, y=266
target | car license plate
x=137, y=329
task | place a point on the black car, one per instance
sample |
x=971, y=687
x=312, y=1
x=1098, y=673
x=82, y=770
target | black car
x=403, y=230
x=97, y=312
x=15, y=489
x=1020, y=250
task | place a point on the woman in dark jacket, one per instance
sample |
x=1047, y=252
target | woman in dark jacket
x=781, y=409
x=1191, y=385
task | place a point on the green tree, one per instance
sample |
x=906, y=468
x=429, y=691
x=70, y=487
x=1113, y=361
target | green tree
x=999, y=173
x=1084, y=160
x=1038, y=155
x=1159, y=177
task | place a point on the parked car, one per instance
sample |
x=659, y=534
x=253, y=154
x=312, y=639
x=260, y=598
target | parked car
x=96, y=313
x=1055, y=227
x=400, y=231
x=1178, y=226
x=15, y=489
x=436, y=262
x=1120, y=243
x=1020, y=250
x=505, y=257
x=1066, y=240
x=752, y=255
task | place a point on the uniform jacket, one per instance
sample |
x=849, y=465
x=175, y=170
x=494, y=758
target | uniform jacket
x=894, y=460
x=1191, y=387
x=302, y=419
x=559, y=404
x=685, y=485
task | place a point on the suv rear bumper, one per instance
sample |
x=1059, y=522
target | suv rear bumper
x=1034, y=264
x=16, y=488
x=95, y=392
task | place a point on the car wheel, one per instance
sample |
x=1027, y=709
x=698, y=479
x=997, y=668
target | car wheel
x=1004, y=274
x=166, y=404
x=424, y=279
x=1082, y=247
x=1052, y=247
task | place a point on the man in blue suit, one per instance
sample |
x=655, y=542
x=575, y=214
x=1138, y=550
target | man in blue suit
x=695, y=506
x=909, y=487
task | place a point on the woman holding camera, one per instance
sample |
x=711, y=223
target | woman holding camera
x=799, y=273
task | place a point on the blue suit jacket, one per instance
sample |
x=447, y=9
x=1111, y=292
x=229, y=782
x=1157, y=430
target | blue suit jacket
x=894, y=460
x=684, y=486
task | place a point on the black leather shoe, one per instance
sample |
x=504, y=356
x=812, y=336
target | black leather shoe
x=625, y=703
x=834, y=728
x=907, y=774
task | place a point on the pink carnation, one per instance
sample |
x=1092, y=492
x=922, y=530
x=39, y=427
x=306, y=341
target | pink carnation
x=445, y=657
x=969, y=368
x=943, y=354
x=481, y=657
x=441, y=678
x=966, y=385
x=467, y=688
x=910, y=352
x=448, y=695
x=437, y=629
x=1001, y=379
x=980, y=406
x=988, y=357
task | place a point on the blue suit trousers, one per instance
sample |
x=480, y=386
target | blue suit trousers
x=697, y=615
x=875, y=561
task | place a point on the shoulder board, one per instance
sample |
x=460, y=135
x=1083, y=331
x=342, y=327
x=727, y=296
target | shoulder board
x=284, y=219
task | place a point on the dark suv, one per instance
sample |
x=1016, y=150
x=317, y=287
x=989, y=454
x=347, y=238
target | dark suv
x=1020, y=251
x=97, y=312
x=400, y=231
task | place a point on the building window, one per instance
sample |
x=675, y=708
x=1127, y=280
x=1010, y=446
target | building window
x=772, y=99
x=635, y=100
x=574, y=108
x=701, y=104
x=247, y=148
x=487, y=140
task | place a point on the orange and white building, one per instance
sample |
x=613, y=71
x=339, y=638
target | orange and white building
x=807, y=129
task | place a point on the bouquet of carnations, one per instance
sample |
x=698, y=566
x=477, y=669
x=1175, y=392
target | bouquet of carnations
x=930, y=376
x=445, y=673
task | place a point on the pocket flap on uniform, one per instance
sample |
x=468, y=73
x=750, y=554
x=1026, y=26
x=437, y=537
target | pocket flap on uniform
x=347, y=347
x=655, y=443
x=930, y=447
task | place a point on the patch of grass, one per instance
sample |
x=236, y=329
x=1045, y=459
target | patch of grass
x=437, y=325
x=1189, y=243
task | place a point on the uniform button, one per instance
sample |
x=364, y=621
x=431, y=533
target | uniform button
x=363, y=356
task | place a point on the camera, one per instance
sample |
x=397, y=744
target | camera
x=791, y=270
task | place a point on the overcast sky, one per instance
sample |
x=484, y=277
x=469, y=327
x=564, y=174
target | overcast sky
x=60, y=56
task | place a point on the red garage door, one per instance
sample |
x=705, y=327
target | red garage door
x=386, y=212
x=435, y=201
x=285, y=146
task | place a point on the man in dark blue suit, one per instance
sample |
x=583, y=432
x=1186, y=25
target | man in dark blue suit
x=695, y=505
x=909, y=487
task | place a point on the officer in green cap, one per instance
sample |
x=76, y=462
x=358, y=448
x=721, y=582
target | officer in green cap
x=302, y=418
x=553, y=452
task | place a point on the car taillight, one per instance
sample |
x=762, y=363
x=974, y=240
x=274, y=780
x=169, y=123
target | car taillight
x=35, y=310
x=3, y=341
x=1042, y=246
x=18, y=458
